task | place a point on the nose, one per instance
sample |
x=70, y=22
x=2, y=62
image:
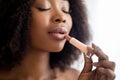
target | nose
x=58, y=18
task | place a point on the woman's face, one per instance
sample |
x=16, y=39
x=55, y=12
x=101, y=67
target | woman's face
x=50, y=23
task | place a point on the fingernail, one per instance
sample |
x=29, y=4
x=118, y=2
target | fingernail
x=93, y=45
x=90, y=49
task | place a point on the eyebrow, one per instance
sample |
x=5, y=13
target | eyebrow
x=66, y=0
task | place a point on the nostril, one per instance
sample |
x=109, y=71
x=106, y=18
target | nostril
x=57, y=20
x=64, y=20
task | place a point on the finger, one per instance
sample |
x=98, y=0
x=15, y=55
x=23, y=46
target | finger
x=108, y=72
x=89, y=53
x=105, y=64
x=88, y=61
x=90, y=49
x=99, y=53
x=88, y=64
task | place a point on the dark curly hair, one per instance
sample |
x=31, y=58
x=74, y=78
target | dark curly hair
x=15, y=18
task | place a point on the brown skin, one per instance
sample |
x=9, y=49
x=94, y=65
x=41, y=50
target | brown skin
x=44, y=21
x=104, y=68
x=35, y=65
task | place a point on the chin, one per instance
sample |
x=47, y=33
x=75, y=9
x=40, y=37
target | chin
x=57, y=49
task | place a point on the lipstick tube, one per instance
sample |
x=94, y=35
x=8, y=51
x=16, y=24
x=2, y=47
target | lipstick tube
x=87, y=52
x=82, y=47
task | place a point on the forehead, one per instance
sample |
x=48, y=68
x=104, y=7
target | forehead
x=42, y=1
x=51, y=2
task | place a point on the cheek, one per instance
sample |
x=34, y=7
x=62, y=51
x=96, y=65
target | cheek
x=39, y=21
x=38, y=28
x=69, y=23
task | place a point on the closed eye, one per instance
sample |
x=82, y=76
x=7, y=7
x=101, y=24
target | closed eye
x=43, y=9
x=66, y=11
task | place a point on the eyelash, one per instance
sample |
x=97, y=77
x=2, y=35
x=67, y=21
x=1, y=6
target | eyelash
x=42, y=9
x=67, y=12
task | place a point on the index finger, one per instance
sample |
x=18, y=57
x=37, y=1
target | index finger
x=99, y=53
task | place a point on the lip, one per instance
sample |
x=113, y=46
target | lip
x=58, y=33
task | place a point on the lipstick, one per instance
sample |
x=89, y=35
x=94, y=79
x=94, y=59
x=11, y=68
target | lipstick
x=81, y=46
x=58, y=33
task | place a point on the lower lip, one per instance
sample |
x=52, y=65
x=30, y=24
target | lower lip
x=58, y=36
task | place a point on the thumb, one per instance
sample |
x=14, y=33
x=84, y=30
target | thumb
x=88, y=62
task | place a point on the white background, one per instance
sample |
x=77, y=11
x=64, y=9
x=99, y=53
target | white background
x=104, y=18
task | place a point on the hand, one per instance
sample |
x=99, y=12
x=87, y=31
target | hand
x=104, y=68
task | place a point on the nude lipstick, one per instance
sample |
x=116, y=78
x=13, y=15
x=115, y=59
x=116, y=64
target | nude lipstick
x=81, y=46
x=58, y=33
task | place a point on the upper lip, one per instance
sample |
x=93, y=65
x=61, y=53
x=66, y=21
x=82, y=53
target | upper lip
x=61, y=30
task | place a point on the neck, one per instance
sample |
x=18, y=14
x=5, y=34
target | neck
x=34, y=65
